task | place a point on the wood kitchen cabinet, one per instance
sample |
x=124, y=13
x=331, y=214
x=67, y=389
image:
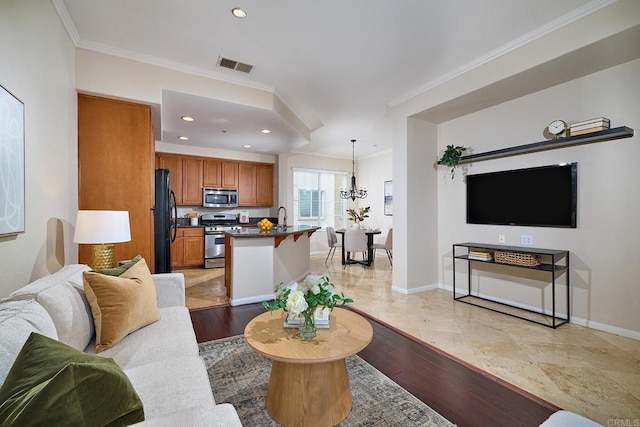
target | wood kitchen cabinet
x=264, y=185
x=192, y=181
x=116, y=169
x=189, y=174
x=185, y=177
x=246, y=184
x=229, y=174
x=174, y=164
x=212, y=174
x=188, y=248
x=220, y=174
x=255, y=184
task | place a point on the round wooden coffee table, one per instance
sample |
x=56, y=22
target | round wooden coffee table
x=309, y=384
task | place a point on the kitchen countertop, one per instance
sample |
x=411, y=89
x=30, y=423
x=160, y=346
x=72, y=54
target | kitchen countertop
x=255, y=232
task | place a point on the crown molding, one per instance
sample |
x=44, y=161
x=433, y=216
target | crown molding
x=61, y=10
x=527, y=38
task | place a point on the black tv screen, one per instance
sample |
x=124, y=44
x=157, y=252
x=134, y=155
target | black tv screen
x=542, y=196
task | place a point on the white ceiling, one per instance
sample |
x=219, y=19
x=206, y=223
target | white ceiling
x=337, y=64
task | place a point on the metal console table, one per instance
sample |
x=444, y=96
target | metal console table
x=553, y=267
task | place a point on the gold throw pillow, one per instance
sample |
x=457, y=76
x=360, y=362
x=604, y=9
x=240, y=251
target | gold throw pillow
x=121, y=304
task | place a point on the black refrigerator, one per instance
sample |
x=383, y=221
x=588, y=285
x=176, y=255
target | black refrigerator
x=165, y=215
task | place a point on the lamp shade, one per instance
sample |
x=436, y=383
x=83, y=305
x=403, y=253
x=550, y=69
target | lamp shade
x=96, y=227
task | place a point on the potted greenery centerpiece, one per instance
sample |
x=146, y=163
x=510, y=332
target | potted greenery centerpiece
x=451, y=157
x=303, y=300
x=358, y=216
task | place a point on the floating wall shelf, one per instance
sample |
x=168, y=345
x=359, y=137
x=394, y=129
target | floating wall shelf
x=604, y=135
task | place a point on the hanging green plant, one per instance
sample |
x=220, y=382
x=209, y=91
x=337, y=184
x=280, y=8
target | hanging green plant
x=451, y=157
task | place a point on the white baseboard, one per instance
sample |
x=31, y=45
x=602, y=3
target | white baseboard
x=251, y=300
x=414, y=290
x=627, y=333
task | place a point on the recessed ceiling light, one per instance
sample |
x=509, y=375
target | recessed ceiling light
x=246, y=146
x=183, y=138
x=265, y=131
x=239, y=13
x=187, y=118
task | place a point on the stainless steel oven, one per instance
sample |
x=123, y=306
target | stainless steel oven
x=213, y=249
x=215, y=225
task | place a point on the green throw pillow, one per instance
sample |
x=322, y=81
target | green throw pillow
x=117, y=271
x=51, y=383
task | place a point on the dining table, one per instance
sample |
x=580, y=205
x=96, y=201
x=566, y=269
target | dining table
x=370, y=232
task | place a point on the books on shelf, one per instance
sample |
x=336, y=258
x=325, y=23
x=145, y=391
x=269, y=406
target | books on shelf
x=591, y=122
x=321, y=318
x=588, y=126
x=480, y=256
x=573, y=132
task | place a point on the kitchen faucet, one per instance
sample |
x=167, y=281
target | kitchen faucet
x=284, y=222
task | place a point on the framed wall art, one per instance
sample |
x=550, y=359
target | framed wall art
x=388, y=198
x=11, y=164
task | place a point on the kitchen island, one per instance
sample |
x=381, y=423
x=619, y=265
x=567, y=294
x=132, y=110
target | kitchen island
x=255, y=261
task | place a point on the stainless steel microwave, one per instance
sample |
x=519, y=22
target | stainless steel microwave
x=219, y=198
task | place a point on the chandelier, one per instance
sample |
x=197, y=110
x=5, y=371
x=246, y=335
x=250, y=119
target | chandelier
x=354, y=192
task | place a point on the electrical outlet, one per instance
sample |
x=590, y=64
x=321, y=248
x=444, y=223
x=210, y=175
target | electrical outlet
x=526, y=239
x=501, y=238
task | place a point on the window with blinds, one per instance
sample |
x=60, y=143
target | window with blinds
x=316, y=198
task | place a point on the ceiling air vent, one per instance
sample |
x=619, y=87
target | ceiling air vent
x=234, y=65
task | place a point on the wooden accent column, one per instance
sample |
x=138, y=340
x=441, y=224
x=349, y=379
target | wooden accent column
x=116, y=169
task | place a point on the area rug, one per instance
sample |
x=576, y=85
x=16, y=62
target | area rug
x=240, y=376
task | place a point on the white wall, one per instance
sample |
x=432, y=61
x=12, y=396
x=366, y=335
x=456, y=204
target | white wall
x=605, y=245
x=373, y=172
x=37, y=66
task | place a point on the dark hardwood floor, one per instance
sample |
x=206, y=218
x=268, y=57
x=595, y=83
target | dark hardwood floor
x=461, y=393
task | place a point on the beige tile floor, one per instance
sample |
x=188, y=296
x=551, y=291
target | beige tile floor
x=204, y=287
x=593, y=373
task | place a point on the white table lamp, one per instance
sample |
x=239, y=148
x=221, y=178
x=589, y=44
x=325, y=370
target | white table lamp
x=102, y=229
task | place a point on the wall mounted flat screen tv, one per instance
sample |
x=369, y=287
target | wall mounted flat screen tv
x=543, y=196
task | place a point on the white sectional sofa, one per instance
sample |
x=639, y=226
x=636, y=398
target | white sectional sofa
x=161, y=360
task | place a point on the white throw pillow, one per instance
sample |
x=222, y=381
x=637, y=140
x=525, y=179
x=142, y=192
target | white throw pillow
x=18, y=318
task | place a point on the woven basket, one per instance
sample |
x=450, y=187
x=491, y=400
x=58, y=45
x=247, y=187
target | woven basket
x=517, y=258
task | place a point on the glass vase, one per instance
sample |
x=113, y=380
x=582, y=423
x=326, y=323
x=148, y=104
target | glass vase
x=307, y=329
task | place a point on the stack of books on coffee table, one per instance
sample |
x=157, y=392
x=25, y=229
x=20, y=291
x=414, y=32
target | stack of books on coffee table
x=321, y=319
x=588, y=126
x=481, y=256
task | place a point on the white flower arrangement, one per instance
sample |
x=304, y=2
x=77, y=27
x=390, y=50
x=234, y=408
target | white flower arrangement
x=303, y=298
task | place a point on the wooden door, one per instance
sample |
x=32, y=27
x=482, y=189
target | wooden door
x=174, y=164
x=246, y=184
x=264, y=185
x=115, y=169
x=192, y=181
x=229, y=174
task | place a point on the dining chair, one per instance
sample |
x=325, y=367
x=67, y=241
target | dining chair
x=387, y=246
x=355, y=241
x=332, y=241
